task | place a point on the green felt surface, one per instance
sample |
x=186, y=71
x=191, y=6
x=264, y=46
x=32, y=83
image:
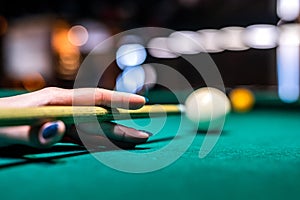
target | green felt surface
x=256, y=157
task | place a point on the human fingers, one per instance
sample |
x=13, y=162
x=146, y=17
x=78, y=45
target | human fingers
x=95, y=96
x=107, y=134
x=80, y=96
x=115, y=131
x=40, y=136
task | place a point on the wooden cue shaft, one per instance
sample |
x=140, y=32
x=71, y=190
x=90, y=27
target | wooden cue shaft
x=76, y=114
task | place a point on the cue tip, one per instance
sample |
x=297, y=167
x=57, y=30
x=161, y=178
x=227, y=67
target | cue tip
x=181, y=108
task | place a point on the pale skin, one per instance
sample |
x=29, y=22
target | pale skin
x=93, y=134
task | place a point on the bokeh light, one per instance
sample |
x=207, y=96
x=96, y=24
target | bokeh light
x=68, y=55
x=3, y=25
x=288, y=72
x=185, y=42
x=130, y=39
x=131, y=80
x=129, y=55
x=150, y=76
x=231, y=38
x=210, y=42
x=288, y=10
x=158, y=48
x=289, y=34
x=34, y=81
x=97, y=33
x=261, y=36
x=78, y=35
x=26, y=48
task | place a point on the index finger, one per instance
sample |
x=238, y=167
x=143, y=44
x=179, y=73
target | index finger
x=97, y=96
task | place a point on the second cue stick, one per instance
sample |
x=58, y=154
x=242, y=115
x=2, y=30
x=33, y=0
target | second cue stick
x=67, y=114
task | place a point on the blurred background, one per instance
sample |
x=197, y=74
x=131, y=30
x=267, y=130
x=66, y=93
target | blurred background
x=254, y=43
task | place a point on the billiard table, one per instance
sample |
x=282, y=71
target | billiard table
x=257, y=156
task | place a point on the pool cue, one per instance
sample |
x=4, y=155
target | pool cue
x=77, y=114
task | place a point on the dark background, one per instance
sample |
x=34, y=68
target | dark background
x=173, y=14
x=249, y=67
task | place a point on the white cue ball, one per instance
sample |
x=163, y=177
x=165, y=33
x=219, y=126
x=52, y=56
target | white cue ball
x=207, y=107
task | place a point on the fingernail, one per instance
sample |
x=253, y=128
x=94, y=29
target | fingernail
x=145, y=133
x=50, y=131
x=146, y=99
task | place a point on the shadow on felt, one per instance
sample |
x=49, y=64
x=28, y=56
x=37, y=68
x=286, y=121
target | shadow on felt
x=21, y=155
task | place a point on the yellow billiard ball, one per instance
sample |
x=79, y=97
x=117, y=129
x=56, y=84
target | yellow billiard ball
x=242, y=99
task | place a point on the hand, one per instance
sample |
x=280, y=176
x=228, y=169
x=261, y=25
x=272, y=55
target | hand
x=45, y=134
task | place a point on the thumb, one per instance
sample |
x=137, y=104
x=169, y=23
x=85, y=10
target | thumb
x=47, y=134
x=43, y=135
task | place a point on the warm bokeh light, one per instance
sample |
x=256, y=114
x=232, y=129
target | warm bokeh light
x=68, y=54
x=3, y=25
x=33, y=82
